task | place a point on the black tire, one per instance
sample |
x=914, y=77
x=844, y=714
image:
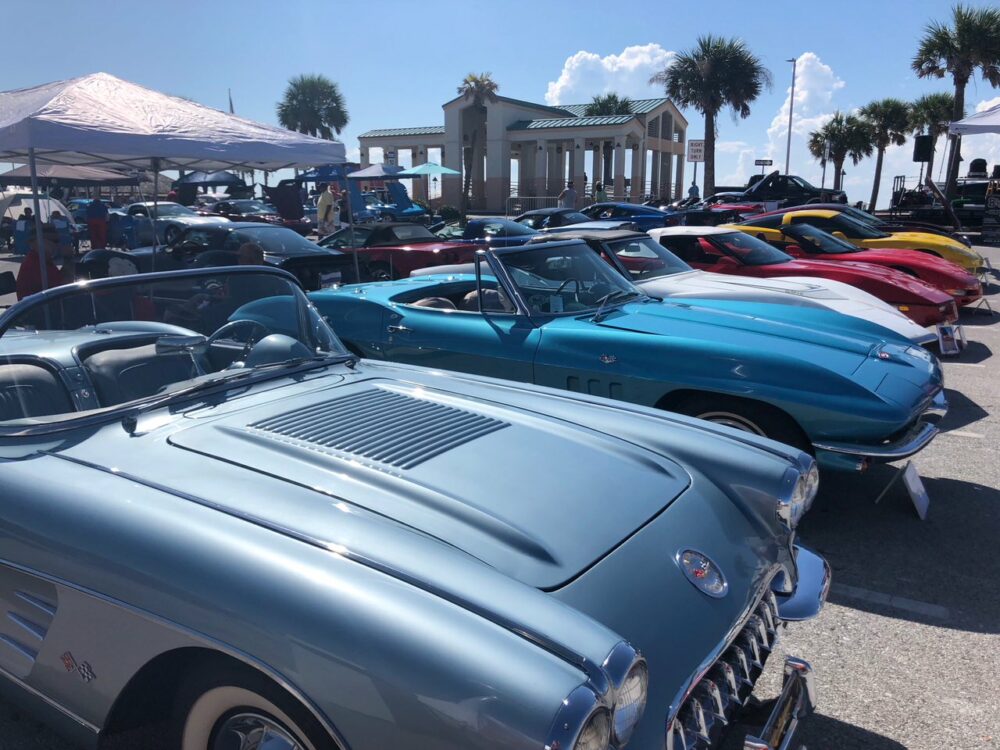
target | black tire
x=209, y=700
x=379, y=272
x=748, y=416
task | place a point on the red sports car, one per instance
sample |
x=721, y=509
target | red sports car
x=391, y=251
x=743, y=254
x=250, y=209
x=807, y=241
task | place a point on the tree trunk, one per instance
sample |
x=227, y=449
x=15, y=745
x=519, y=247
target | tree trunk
x=930, y=161
x=470, y=157
x=838, y=172
x=709, y=155
x=956, y=148
x=878, y=178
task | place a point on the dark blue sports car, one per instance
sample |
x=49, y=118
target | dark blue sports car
x=492, y=231
x=646, y=217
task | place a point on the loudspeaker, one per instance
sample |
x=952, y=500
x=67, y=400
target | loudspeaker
x=923, y=145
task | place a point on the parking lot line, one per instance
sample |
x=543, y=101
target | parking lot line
x=961, y=364
x=898, y=602
x=962, y=433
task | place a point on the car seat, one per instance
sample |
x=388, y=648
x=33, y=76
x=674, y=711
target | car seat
x=440, y=303
x=31, y=391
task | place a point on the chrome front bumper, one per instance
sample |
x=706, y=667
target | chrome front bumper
x=914, y=441
x=797, y=701
x=811, y=587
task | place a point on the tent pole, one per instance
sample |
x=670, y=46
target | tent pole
x=38, y=219
x=155, y=163
x=350, y=223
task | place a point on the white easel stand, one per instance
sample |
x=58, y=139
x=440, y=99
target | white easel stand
x=914, y=488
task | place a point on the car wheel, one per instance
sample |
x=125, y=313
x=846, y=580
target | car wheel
x=747, y=416
x=239, y=709
x=380, y=272
x=170, y=234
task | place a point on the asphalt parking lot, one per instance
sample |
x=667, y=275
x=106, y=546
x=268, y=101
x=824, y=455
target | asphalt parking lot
x=907, y=651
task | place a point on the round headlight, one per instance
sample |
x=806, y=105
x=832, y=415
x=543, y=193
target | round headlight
x=631, y=703
x=596, y=733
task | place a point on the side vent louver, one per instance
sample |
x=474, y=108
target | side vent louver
x=23, y=631
x=381, y=426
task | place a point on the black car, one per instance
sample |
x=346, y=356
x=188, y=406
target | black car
x=218, y=244
x=549, y=218
x=785, y=190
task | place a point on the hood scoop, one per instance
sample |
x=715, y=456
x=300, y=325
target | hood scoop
x=379, y=426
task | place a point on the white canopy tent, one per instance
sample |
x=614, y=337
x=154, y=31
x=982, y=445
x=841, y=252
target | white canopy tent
x=987, y=121
x=103, y=121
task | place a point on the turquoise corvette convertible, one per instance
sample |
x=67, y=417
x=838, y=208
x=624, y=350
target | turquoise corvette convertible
x=848, y=391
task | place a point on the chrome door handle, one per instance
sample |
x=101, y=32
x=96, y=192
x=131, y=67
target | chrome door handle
x=398, y=329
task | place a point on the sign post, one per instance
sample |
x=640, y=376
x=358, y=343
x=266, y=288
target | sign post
x=696, y=153
x=763, y=163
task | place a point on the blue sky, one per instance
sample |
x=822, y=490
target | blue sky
x=397, y=62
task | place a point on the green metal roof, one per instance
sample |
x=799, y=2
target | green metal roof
x=639, y=106
x=571, y=122
x=533, y=105
x=431, y=130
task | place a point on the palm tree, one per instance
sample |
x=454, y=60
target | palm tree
x=480, y=89
x=930, y=115
x=608, y=104
x=313, y=104
x=889, y=122
x=848, y=136
x=716, y=74
x=970, y=43
x=603, y=106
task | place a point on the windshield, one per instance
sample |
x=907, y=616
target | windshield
x=814, y=240
x=504, y=228
x=803, y=183
x=855, y=229
x=253, y=207
x=171, y=209
x=565, y=279
x=863, y=216
x=747, y=249
x=126, y=340
x=645, y=259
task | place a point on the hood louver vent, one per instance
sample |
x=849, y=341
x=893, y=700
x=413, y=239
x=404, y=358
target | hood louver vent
x=381, y=426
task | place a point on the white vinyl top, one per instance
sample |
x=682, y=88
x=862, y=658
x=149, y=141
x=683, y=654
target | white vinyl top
x=101, y=120
x=689, y=231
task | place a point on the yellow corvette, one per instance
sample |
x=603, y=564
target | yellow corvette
x=839, y=224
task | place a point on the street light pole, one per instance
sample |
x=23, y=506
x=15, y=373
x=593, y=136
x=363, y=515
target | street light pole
x=791, y=107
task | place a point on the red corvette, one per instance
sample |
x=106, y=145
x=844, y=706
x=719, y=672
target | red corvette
x=736, y=252
x=806, y=241
x=391, y=251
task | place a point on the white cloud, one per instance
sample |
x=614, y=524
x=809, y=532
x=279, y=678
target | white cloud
x=988, y=104
x=587, y=74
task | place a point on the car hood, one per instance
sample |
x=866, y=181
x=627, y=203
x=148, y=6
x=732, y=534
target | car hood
x=194, y=220
x=440, y=463
x=821, y=336
x=863, y=273
x=916, y=240
x=914, y=259
x=423, y=247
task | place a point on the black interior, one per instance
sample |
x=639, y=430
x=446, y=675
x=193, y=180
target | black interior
x=29, y=390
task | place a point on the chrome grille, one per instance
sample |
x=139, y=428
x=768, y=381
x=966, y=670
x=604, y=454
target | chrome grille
x=381, y=426
x=717, y=697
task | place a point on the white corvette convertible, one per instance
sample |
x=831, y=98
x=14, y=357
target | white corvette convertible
x=669, y=277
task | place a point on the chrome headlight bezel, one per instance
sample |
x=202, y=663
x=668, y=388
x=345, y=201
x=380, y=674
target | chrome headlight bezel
x=799, y=489
x=578, y=711
x=621, y=665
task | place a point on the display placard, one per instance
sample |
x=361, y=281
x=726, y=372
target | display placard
x=951, y=339
x=916, y=490
x=696, y=151
x=991, y=217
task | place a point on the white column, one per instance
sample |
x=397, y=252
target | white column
x=577, y=166
x=526, y=170
x=365, y=158
x=418, y=156
x=555, y=175
x=541, y=166
x=497, y=175
x=619, y=168
x=598, y=175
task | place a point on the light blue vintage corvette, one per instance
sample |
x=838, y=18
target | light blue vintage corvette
x=847, y=390
x=220, y=525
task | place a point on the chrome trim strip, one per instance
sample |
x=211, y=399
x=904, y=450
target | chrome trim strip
x=190, y=633
x=811, y=590
x=911, y=443
x=796, y=701
x=17, y=682
x=595, y=673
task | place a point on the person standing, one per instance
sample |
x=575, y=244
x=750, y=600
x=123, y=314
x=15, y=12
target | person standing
x=567, y=198
x=326, y=207
x=600, y=196
x=693, y=192
x=97, y=224
x=29, y=275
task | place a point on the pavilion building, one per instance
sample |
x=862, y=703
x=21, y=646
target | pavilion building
x=633, y=154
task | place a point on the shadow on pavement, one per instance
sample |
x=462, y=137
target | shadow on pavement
x=819, y=731
x=962, y=411
x=944, y=571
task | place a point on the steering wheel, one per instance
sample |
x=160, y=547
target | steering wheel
x=576, y=291
x=234, y=325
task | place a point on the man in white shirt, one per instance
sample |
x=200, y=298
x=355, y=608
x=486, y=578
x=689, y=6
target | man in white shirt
x=567, y=198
